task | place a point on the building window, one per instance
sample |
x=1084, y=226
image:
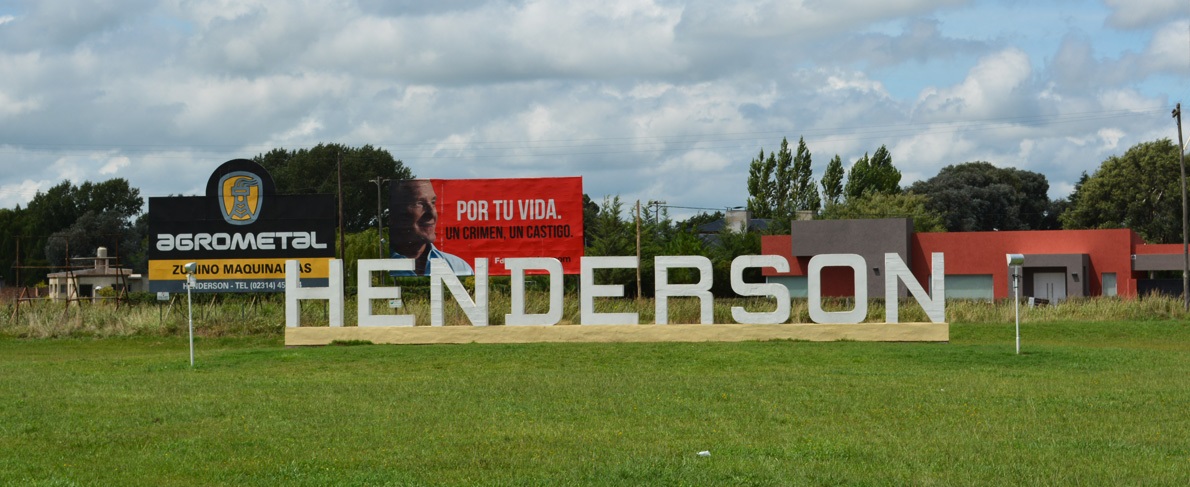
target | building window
x=978, y=286
x=797, y=285
x=1109, y=283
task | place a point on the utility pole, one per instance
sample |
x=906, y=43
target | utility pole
x=1177, y=115
x=339, y=166
x=638, y=295
x=656, y=210
x=379, y=219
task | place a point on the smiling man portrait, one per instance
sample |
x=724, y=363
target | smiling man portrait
x=414, y=226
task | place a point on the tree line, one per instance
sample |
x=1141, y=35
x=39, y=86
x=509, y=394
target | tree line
x=1138, y=189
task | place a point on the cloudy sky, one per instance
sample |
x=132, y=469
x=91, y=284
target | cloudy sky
x=646, y=99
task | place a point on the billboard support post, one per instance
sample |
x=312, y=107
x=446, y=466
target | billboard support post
x=190, y=269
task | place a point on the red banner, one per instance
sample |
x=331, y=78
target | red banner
x=496, y=219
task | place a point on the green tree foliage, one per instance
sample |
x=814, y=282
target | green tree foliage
x=977, y=196
x=13, y=224
x=782, y=195
x=590, y=212
x=356, y=246
x=728, y=246
x=114, y=196
x=873, y=175
x=886, y=205
x=109, y=208
x=761, y=196
x=91, y=231
x=685, y=243
x=692, y=224
x=58, y=207
x=82, y=218
x=804, y=191
x=832, y=182
x=611, y=235
x=1139, y=190
x=782, y=184
x=314, y=171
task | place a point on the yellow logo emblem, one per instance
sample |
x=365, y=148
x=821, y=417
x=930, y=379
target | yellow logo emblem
x=240, y=198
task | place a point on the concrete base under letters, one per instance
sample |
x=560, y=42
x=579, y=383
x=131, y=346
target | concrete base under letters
x=864, y=332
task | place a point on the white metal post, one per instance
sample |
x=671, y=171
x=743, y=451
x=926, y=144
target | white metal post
x=190, y=310
x=1015, y=261
x=1016, y=283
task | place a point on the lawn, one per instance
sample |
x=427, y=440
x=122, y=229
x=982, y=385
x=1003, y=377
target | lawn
x=1085, y=404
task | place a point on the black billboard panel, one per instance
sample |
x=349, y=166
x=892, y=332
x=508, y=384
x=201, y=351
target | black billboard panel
x=239, y=234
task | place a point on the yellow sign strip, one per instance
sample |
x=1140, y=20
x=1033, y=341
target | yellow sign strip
x=224, y=269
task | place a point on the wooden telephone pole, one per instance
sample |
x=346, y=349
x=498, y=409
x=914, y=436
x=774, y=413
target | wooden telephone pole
x=638, y=294
x=1177, y=115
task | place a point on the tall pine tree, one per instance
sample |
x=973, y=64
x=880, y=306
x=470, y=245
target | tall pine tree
x=832, y=182
x=804, y=191
x=760, y=185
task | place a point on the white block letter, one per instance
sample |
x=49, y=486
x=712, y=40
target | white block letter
x=366, y=293
x=588, y=291
x=517, y=269
x=814, y=285
x=477, y=310
x=896, y=270
x=701, y=290
x=777, y=291
x=294, y=293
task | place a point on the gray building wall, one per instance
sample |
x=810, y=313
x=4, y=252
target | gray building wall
x=1075, y=266
x=870, y=239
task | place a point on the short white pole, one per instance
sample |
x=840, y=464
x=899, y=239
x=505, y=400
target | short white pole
x=190, y=310
x=1016, y=282
x=1015, y=261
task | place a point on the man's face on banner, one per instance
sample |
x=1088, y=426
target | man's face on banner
x=416, y=217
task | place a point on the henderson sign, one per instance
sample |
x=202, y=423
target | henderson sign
x=476, y=307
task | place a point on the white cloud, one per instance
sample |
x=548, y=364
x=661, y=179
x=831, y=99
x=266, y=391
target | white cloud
x=1111, y=138
x=114, y=165
x=797, y=19
x=695, y=161
x=922, y=155
x=1169, y=50
x=19, y=193
x=657, y=98
x=855, y=82
x=496, y=41
x=70, y=168
x=1133, y=14
x=996, y=87
x=10, y=107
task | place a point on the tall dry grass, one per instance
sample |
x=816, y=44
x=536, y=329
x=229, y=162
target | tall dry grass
x=218, y=315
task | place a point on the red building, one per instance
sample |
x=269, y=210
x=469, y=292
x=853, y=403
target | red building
x=1058, y=263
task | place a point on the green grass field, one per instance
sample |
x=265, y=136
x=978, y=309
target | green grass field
x=1085, y=404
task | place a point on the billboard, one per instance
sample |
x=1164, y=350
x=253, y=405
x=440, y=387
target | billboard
x=460, y=220
x=239, y=234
